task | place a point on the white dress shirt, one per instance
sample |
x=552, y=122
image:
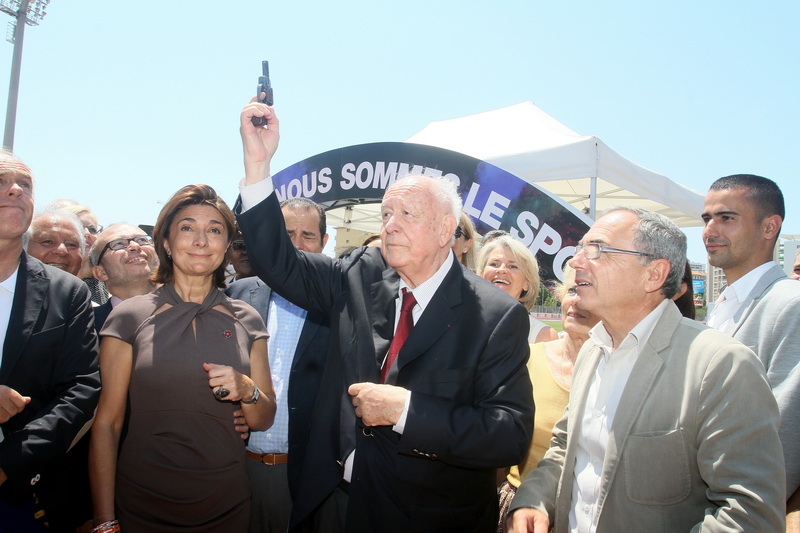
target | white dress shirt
x=7, y=287
x=734, y=296
x=597, y=419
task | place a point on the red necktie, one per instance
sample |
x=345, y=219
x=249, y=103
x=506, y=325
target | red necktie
x=404, y=327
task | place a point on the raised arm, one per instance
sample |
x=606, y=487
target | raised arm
x=258, y=142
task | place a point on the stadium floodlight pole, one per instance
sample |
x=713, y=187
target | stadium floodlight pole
x=24, y=14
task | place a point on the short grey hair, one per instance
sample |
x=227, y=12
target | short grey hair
x=56, y=214
x=660, y=237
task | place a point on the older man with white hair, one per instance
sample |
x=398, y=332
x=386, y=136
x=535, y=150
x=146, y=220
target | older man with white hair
x=49, y=381
x=433, y=356
x=56, y=238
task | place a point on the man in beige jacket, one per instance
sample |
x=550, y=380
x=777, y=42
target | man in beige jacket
x=671, y=426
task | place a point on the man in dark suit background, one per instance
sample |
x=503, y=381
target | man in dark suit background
x=433, y=425
x=49, y=382
x=288, y=474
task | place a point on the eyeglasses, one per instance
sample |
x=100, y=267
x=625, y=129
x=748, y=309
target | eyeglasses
x=239, y=246
x=94, y=230
x=592, y=250
x=459, y=232
x=123, y=243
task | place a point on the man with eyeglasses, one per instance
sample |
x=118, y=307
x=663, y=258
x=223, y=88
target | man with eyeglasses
x=670, y=426
x=123, y=258
x=49, y=381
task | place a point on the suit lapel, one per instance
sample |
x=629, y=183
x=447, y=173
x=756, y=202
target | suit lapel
x=437, y=318
x=260, y=294
x=767, y=280
x=641, y=380
x=30, y=293
x=586, y=365
x=382, y=310
x=310, y=327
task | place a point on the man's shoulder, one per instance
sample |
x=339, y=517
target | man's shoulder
x=244, y=286
x=701, y=346
x=484, y=291
x=57, y=279
x=782, y=289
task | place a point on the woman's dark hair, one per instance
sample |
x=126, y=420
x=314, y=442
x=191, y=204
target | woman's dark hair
x=685, y=301
x=185, y=197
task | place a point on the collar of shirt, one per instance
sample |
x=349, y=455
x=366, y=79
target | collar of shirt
x=424, y=292
x=638, y=335
x=115, y=301
x=10, y=283
x=742, y=287
x=7, y=288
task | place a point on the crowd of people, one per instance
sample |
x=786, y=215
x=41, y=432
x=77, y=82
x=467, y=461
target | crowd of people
x=218, y=373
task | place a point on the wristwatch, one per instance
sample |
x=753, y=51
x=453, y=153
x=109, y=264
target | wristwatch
x=254, y=399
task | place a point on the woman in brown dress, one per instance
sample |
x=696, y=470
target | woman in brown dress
x=175, y=365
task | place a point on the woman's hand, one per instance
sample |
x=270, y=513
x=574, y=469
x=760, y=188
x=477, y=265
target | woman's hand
x=227, y=384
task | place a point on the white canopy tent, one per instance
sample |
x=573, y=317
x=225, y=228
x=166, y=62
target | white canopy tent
x=580, y=169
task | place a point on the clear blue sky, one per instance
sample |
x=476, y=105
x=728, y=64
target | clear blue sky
x=122, y=103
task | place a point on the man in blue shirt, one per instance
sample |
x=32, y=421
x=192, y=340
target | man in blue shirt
x=298, y=344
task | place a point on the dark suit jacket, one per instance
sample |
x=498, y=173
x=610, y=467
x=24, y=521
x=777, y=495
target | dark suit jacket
x=471, y=407
x=101, y=313
x=310, y=479
x=50, y=354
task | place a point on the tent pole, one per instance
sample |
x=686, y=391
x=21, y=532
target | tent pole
x=593, y=198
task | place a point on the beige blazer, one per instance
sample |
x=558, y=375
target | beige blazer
x=694, y=445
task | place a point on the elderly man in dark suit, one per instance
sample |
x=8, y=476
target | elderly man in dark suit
x=287, y=468
x=439, y=385
x=49, y=382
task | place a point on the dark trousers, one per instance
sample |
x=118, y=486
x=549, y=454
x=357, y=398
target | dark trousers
x=271, y=503
x=329, y=517
x=16, y=517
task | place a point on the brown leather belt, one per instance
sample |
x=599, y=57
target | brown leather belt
x=270, y=459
